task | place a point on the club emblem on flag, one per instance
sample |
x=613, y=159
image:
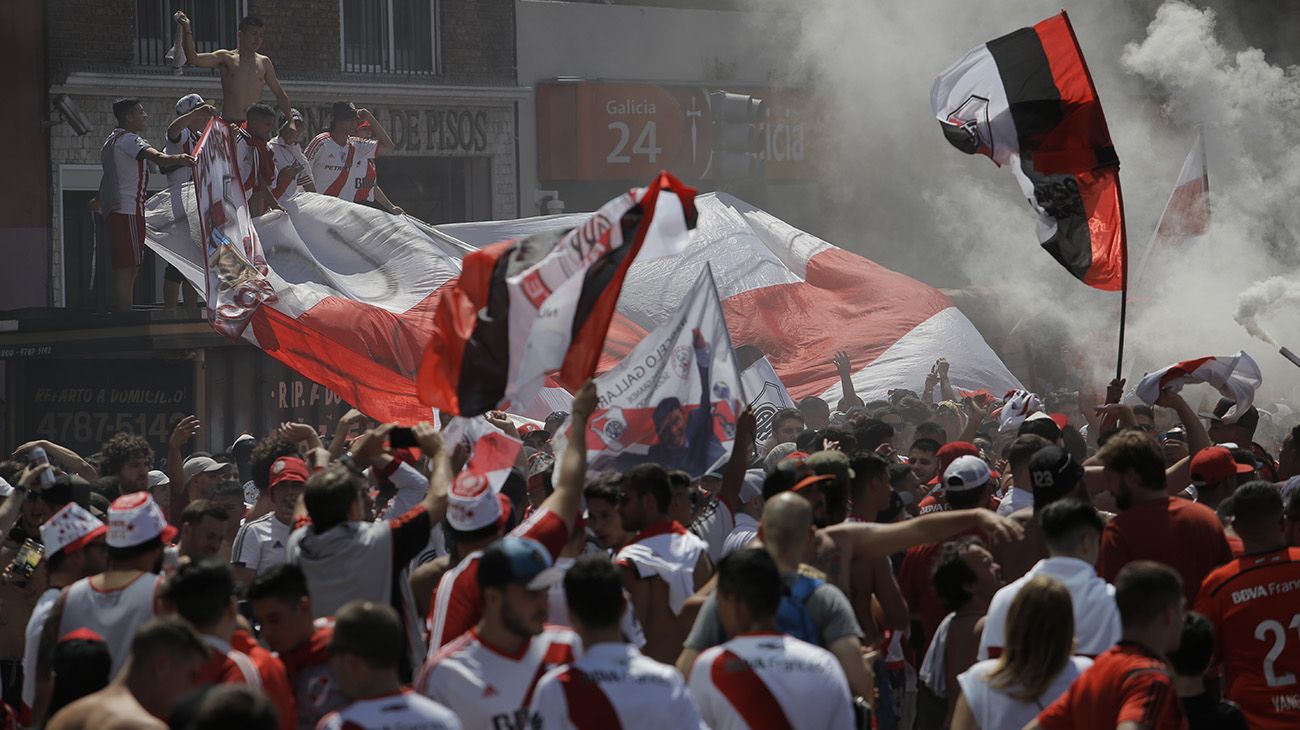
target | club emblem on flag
x=721, y=391
x=610, y=425
x=682, y=361
x=967, y=127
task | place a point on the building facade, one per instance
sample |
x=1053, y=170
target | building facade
x=438, y=74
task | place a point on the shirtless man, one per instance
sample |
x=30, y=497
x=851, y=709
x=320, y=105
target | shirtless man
x=165, y=658
x=663, y=565
x=243, y=70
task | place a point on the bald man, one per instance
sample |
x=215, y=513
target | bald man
x=786, y=532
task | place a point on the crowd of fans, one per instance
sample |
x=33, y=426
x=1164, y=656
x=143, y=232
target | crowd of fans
x=860, y=567
x=927, y=561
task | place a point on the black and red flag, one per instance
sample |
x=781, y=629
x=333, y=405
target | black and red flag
x=527, y=309
x=1027, y=100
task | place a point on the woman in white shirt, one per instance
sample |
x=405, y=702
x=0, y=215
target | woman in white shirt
x=1035, y=668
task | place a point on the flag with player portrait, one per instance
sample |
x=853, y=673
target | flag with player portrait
x=674, y=399
x=232, y=253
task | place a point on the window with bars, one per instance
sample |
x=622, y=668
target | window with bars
x=388, y=36
x=215, y=23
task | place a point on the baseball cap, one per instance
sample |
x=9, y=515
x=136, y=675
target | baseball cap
x=81, y=634
x=187, y=103
x=363, y=125
x=158, y=478
x=1248, y=420
x=518, y=560
x=134, y=519
x=811, y=480
x=343, y=110
x=70, y=529
x=1215, y=464
x=1053, y=471
x=295, y=115
x=243, y=439
x=196, y=465
x=966, y=473
x=289, y=469
x=471, y=502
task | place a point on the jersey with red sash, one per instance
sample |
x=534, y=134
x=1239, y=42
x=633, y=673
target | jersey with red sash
x=402, y=709
x=668, y=550
x=769, y=680
x=340, y=169
x=614, y=687
x=316, y=690
x=1254, y=602
x=489, y=688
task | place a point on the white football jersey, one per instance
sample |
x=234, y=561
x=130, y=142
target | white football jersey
x=488, y=688
x=328, y=160
x=404, y=709
x=123, y=187
x=179, y=175
x=614, y=687
x=754, y=678
x=286, y=155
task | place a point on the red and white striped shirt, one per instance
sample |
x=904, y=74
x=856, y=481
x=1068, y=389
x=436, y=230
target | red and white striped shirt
x=489, y=688
x=614, y=687
x=340, y=169
x=767, y=680
x=126, y=175
x=457, y=603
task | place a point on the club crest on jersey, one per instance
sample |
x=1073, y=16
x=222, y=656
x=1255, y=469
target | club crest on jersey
x=967, y=127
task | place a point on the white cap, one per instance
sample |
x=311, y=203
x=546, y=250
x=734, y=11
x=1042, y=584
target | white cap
x=966, y=473
x=196, y=465
x=752, y=488
x=187, y=103
x=134, y=519
x=158, y=478
x=6, y=488
x=70, y=529
x=471, y=503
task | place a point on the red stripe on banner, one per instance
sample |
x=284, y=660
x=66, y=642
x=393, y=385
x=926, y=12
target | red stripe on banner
x=1187, y=213
x=589, y=706
x=1100, y=191
x=336, y=344
x=748, y=694
x=1183, y=369
x=845, y=302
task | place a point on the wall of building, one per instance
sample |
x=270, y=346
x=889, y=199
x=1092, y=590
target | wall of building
x=24, y=208
x=676, y=46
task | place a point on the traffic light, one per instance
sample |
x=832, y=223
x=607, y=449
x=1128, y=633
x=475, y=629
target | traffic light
x=738, y=137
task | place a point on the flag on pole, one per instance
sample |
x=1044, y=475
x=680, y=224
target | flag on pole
x=1234, y=376
x=1027, y=100
x=1186, y=216
x=526, y=308
x=673, y=400
x=766, y=395
x=232, y=253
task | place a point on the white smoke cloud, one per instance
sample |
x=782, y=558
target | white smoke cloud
x=903, y=196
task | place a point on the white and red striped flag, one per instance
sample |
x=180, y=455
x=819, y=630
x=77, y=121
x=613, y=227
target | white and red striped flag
x=357, y=290
x=235, y=285
x=1234, y=376
x=1186, y=216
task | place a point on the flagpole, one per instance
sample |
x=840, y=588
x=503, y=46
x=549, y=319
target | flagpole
x=1123, y=289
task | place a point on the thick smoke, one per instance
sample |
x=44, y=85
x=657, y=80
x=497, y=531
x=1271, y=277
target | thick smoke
x=897, y=192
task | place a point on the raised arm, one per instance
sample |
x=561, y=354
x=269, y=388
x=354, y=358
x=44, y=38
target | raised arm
x=869, y=540
x=61, y=455
x=431, y=445
x=849, y=397
x=339, y=443
x=381, y=135
x=201, y=60
x=185, y=430
x=975, y=417
x=733, y=474
x=202, y=111
x=1179, y=475
x=281, y=98
x=567, y=497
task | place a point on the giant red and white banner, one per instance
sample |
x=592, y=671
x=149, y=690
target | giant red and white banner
x=235, y=284
x=357, y=289
x=673, y=400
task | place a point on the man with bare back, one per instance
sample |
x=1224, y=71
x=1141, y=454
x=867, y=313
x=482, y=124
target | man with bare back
x=243, y=70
